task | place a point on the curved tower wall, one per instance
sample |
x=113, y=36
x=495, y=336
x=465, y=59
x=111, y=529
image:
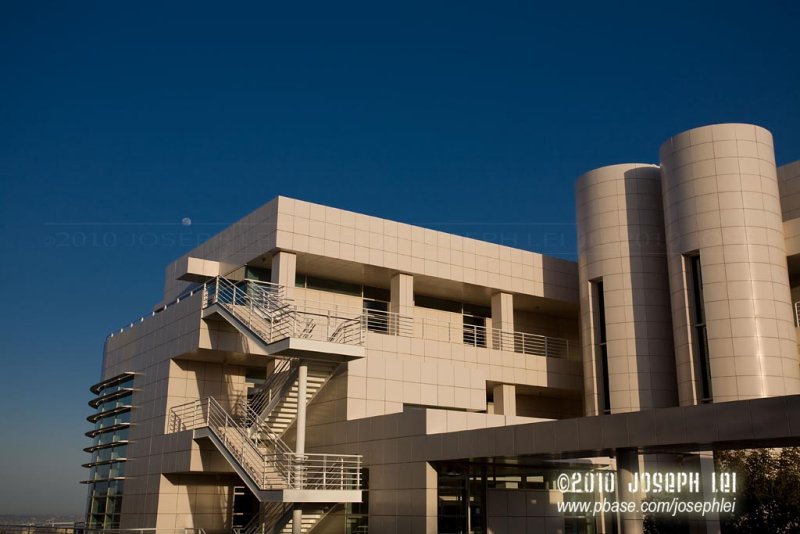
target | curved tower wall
x=621, y=245
x=721, y=205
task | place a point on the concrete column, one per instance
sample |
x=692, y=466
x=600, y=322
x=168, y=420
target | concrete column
x=402, y=294
x=302, y=388
x=401, y=300
x=297, y=520
x=710, y=523
x=300, y=444
x=503, y=320
x=505, y=399
x=284, y=271
x=627, y=469
x=503, y=311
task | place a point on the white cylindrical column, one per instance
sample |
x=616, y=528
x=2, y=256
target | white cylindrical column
x=731, y=303
x=300, y=444
x=626, y=328
x=302, y=388
x=297, y=520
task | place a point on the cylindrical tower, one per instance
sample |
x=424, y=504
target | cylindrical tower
x=731, y=306
x=626, y=326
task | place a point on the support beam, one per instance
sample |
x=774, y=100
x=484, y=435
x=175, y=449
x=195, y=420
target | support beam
x=302, y=388
x=300, y=446
x=627, y=469
x=297, y=520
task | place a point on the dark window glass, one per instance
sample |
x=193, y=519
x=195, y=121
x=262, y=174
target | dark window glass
x=334, y=286
x=601, y=344
x=701, y=334
x=437, y=304
x=258, y=273
x=477, y=311
x=376, y=293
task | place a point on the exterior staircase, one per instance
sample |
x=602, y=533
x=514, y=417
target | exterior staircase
x=250, y=435
x=284, y=413
x=312, y=516
x=261, y=310
x=267, y=466
x=276, y=518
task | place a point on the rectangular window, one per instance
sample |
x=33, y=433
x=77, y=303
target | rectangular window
x=601, y=343
x=700, y=346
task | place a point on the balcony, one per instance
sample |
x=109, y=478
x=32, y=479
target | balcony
x=394, y=324
x=313, y=328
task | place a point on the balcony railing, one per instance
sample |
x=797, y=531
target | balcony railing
x=326, y=321
x=391, y=323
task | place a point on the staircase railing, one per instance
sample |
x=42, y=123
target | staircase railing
x=264, y=309
x=328, y=510
x=349, y=331
x=253, y=526
x=276, y=517
x=278, y=467
x=249, y=304
x=270, y=519
x=259, y=431
x=266, y=470
x=275, y=388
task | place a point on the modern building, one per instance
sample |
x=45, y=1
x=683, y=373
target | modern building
x=311, y=368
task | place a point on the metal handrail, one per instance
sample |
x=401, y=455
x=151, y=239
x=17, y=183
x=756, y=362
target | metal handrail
x=270, y=393
x=207, y=413
x=264, y=309
x=252, y=526
x=278, y=467
x=272, y=317
x=392, y=323
x=257, y=427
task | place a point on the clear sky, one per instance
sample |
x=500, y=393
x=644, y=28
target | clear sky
x=118, y=120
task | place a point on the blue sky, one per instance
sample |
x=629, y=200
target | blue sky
x=119, y=120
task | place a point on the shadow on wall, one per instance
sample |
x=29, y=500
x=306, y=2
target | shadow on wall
x=655, y=355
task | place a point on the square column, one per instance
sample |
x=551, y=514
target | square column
x=505, y=399
x=502, y=321
x=284, y=271
x=627, y=470
x=401, y=300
